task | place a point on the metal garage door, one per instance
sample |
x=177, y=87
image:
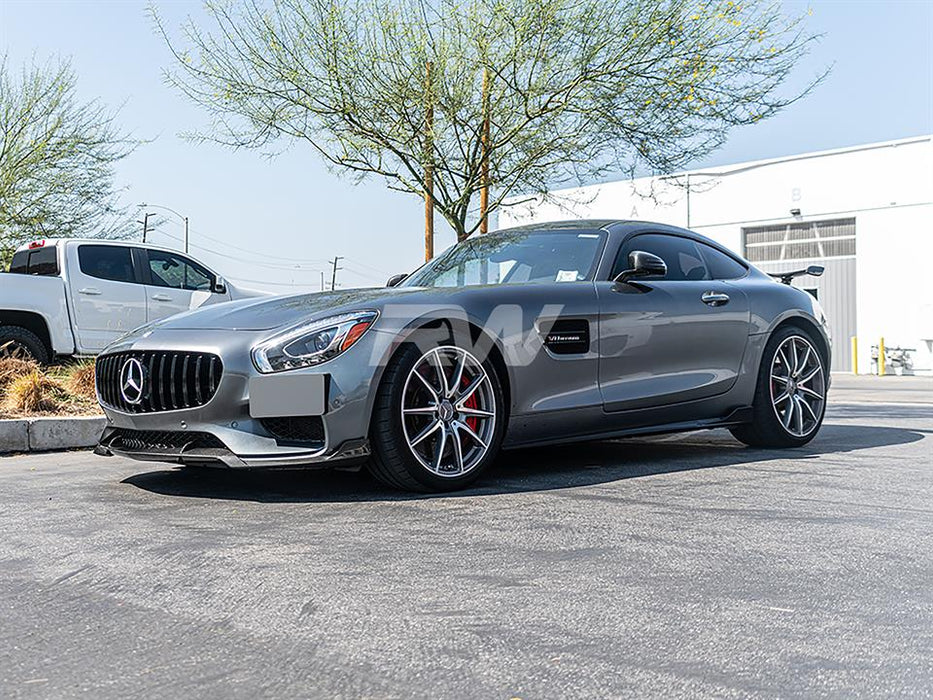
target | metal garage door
x=828, y=243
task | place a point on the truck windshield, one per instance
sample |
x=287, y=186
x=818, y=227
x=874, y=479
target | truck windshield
x=514, y=257
x=38, y=261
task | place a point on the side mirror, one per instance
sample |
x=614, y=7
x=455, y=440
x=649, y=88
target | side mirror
x=219, y=286
x=815, y=270
x=642, y=264
x=395, y=279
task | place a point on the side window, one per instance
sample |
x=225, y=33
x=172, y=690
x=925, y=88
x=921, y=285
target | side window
x=20, y=263
x=720, y=265
x=43, y=261
x=682, y=256
x=107, y=262
x=40, y=261
x=177, y=272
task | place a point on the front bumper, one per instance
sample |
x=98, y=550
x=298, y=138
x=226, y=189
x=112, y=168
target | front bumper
x=192, y=448
x=223, y=433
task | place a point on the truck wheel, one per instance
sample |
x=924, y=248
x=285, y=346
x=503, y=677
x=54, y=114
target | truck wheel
x=22, y=344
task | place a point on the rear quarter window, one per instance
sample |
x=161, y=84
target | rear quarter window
x=38, y=261
x=720, y=265
x=20, y=262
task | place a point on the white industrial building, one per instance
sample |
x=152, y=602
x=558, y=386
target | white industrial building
x=865, y=213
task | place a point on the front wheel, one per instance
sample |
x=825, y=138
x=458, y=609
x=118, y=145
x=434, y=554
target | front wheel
x=790, y=399
x=438, y=419
x=19, y=343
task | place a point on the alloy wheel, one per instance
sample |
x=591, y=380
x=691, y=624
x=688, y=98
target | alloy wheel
x=449, y=411
x=798, y=386
x=14, y=350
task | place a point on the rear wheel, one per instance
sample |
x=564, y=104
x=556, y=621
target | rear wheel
x=438, y=419
x=19, y=343
x=790, y=399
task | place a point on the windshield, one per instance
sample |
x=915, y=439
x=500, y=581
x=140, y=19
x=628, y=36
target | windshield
x=513, y=257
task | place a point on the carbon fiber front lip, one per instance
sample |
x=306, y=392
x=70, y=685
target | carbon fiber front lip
x=349, y=451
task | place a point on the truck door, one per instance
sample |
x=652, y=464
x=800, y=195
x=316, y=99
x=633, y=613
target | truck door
x=108, y=297
x=175, y=284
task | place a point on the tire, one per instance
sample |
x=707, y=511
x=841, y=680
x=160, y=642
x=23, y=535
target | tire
x=16, y=341
x=405, y=446
x=792, y=365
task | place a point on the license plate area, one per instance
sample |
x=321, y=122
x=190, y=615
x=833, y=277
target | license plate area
x=283, y=395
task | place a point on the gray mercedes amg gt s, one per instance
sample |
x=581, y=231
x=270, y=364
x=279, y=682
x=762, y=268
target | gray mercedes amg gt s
x=542, y=334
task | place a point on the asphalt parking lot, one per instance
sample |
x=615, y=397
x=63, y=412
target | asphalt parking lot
x=679, y=566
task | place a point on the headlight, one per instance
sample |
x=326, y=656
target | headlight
x=312, y=343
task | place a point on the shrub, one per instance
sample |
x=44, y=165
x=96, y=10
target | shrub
x=79, y=379
x=34, y=392
x=13, y=367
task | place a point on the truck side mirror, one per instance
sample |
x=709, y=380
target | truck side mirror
x=395, y=279
x=219, y=286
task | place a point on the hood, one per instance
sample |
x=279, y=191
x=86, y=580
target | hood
x=268, y=313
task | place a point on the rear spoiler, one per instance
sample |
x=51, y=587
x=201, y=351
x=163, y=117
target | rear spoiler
x=786, y=277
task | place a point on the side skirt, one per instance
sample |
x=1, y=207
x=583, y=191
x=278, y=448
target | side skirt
x=737, y=416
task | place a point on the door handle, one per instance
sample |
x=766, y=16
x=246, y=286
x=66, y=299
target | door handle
x=90, y=291
x=161, y=297
x=715, y=298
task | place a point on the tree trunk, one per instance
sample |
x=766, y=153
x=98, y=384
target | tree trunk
x=428, y=168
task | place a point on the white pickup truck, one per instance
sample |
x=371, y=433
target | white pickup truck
x=73, y=297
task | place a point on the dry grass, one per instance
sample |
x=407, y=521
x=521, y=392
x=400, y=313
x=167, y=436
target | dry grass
x=79, y=379
x=27, y=389
x=34, y=392
x=11, y=368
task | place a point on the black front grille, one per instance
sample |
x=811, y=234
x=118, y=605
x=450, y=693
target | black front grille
x=171, y=380
x=295, y=428
x=162, y=440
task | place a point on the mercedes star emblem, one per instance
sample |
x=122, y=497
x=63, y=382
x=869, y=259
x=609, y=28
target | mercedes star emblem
x=131, y=381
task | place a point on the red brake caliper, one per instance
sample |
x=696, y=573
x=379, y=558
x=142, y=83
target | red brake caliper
x=470, y=403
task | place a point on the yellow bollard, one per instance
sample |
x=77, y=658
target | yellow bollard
x=855, y=355
x=881, y=362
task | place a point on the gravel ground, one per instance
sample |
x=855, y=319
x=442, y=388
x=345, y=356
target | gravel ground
x=679, y=566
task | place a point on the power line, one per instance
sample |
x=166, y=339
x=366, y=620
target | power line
x=295, y=267
x=273, y=266
x=274, y=284
x=257, y=253
x=364, y=275
x=367, y=265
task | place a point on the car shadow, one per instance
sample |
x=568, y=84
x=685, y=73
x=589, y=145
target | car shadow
x=516, y=471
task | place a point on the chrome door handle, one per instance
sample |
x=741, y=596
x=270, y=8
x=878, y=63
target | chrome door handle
x=90, y=291
x=715, y=298
x=161, y=297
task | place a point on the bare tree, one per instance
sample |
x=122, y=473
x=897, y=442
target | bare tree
x=56, y=158
x=576, y=89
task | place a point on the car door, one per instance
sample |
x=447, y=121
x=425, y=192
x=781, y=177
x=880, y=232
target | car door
x=108, y=298
x=176, y=283
x=672, y=339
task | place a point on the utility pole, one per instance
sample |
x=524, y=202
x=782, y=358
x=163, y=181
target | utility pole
x=186, y=234
x=484, y=168
x=322, y=280
x=428, y=167
x=145, y=223
x=333, y=279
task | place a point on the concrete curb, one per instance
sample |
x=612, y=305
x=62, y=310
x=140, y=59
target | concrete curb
x=43, y=434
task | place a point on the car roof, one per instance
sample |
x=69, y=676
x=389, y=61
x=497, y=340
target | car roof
x=569, y=225
x=623, y=228
x=614, y=225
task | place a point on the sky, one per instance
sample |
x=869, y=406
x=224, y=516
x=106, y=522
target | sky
x=275, y=223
